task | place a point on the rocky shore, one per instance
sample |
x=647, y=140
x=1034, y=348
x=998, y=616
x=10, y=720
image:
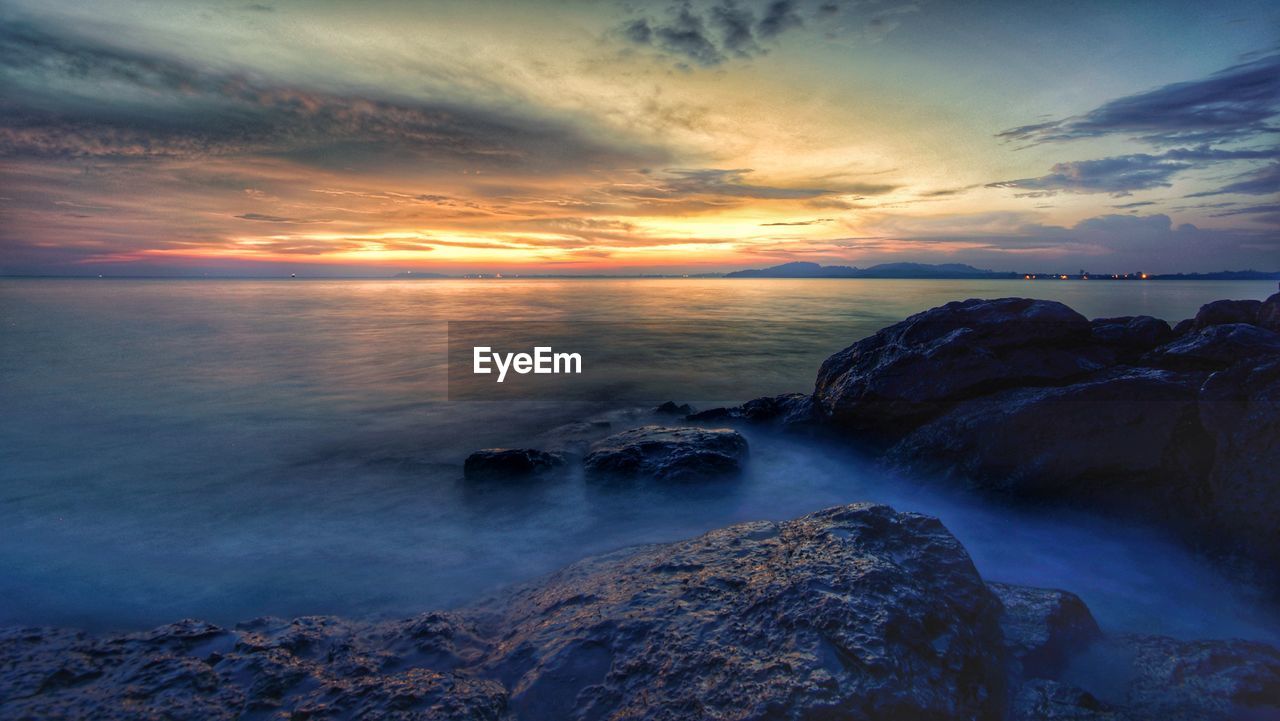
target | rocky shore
x=853, y=612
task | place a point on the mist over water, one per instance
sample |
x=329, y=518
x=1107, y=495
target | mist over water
x=229, y=449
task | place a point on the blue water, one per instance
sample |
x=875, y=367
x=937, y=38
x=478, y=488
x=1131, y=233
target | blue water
x=228, y=449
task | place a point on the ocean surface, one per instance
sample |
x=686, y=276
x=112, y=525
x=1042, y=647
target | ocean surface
x=226, y=449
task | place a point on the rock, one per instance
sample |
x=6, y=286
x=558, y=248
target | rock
x=1269, y=314
x=1224, y=312
x=905, y=374
x=791, y=410
x=1131, y=333
x=854, y=612
x=509, y=463
x=668, y=454
x=1183, y=327
x=1126, y=438
x=1215, y=348
x=671, y=409
x=1044, y=628
x=1046, y=700
x=1154, y=678
x=1240, y=408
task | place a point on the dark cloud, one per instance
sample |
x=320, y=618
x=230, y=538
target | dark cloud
x=1139, y=204
x=1117, y=175
x=733, y=183
x=62, y=96
x=780, y=16
x=707, y=33
x=1237, y=103
x=265, y=218
x=1264, y=213
x=1262, y=182
x=735, y=23
x=1123, y=174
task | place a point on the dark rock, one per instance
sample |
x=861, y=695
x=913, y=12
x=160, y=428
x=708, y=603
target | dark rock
x=1044, y=628
x=1131, y=333
x=1047, y=700
x=792, y=410
x=854, y=612
x=904, y=374
x=1225, y=312
x=1153, y=678
x=1125, y=438
x=504, y=463
x=671, y=409
x=1183, y=327
x=1240, y=408
x=1269, y=314
x=1215, y=348
x=668, y=454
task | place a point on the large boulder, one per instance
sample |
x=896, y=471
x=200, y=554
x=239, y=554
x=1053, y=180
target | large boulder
x=1044, y=628
x=1269, y=313
x=1124, y=438
x=1131, y=334
x=1215, y=347
x=1240, y=408
x=856, y=612
x=1225, y=312
x=668, y=454
x=509, y=463
x=901, y=376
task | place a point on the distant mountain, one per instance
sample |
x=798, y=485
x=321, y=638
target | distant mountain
x=802, y=269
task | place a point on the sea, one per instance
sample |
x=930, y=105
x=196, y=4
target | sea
x=228, y=449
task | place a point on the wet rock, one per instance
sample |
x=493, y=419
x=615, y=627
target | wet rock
x=1215, y=348
x=509, y=463
x=1044, y=628
x=1127, y=438
x=1047, y=700
x=1269, y=314
x=1154, y=678
x=668, y=454
x=1131, y=334
x=853, y=612
x=791, y=410
x=671, y=409
x=911, y=371
x=1240, y=408
x=1224, y=312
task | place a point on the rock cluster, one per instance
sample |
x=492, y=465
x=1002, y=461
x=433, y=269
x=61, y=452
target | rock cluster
x=1031, y=400
x=855, y=612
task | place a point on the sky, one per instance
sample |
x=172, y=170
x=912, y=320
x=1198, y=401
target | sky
x=618, y=136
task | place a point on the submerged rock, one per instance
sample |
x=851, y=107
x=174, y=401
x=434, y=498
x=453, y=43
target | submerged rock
x=909, y=372
x=670, y=408
x=509, y=463
x=791, y=410
x=668, y=454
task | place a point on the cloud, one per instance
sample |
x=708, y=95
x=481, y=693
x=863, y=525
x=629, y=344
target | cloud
x=265, y=218
x=1262, y=182
x=708, y=35
x=1122, y=174
x=1237, y=103
x=1139, y=204
x=67, y=97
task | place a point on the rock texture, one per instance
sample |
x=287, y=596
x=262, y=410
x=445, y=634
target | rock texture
x=668, y=454
x=856, y=612
x=509, y=463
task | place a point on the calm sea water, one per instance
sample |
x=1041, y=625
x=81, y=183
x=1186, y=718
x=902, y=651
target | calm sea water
x=228, y=449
